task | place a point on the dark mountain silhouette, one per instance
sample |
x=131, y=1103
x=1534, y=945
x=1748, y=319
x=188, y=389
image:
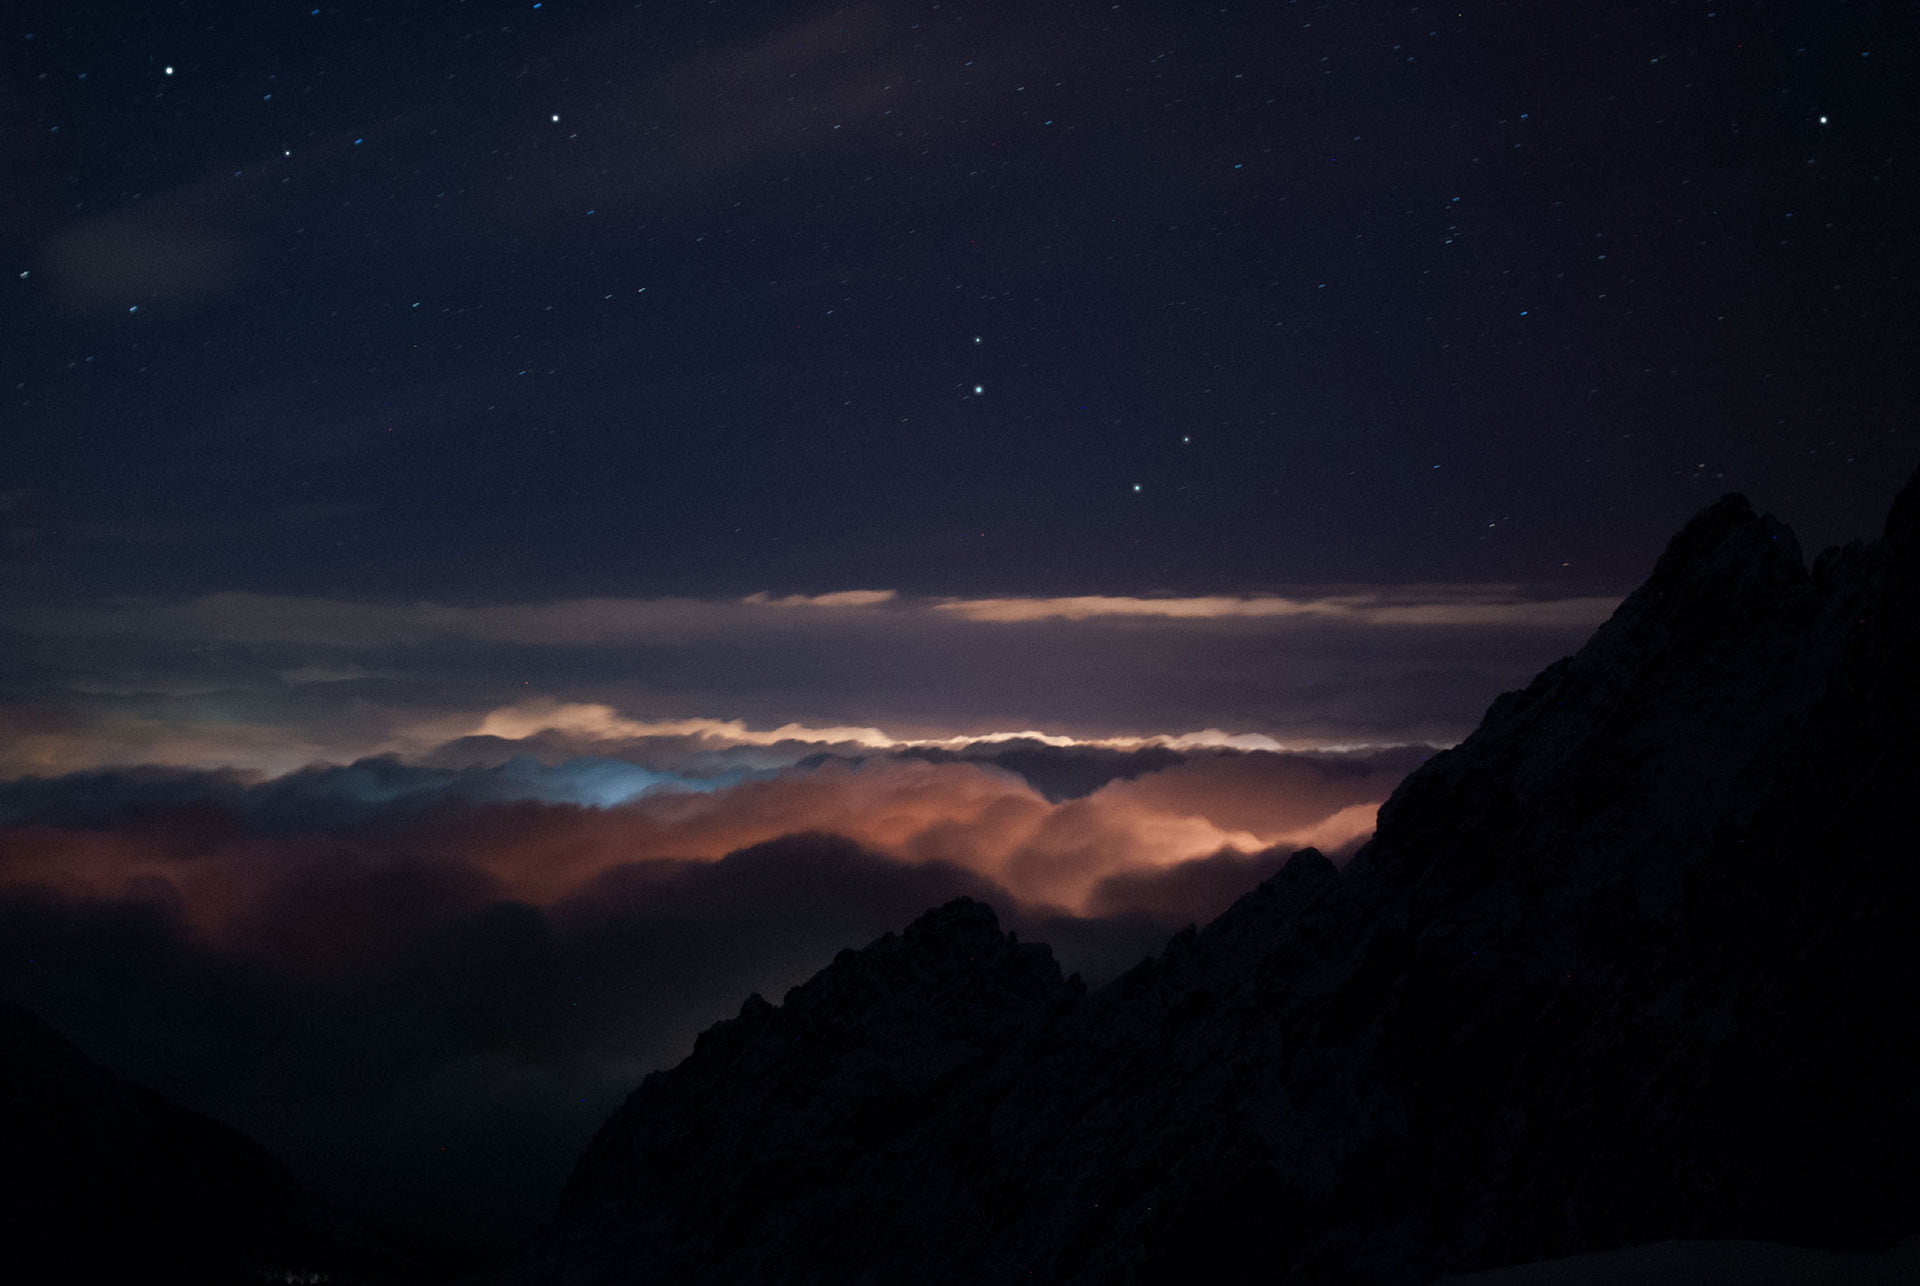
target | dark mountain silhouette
x=1636, y=961
x=107, y=1181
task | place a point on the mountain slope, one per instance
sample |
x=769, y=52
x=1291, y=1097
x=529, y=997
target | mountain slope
x=105, y=1180
x=1632, y=962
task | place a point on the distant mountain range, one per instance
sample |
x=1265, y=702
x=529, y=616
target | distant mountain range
x=1636, y=961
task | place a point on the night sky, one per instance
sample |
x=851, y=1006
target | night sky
x=491, y=302
x=637, y=423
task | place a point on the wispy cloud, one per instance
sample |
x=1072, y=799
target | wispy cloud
x=243, y=617
x=841, y=598
x=171, y=248
x=602, y=722
x=866, y=79
x=349, y=624
x=269, y=682
x=1467, y=605
x=593, y=721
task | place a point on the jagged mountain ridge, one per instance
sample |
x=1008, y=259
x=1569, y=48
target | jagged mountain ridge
x=1631, y=962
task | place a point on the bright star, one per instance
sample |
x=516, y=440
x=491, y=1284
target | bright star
x=979, y=389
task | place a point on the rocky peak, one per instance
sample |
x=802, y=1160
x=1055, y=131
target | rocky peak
x=1631, y=962
x=951, y=970
x=1726, y=544
x=788, y=1099
x=1259, y=924
x=1672, y=717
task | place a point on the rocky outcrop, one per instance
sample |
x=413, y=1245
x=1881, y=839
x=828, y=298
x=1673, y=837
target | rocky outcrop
x=1632, y=962
x=782, y=1127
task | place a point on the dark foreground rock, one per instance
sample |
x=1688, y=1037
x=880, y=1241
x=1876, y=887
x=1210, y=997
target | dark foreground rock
x=1634, y=962
x=103, y=1180
x=1712, y=1263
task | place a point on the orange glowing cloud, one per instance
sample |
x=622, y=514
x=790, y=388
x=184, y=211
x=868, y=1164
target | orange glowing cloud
x=241, y=890
x=587, y=722
x=602, y=722
x=1442, y=606
x=239, y=616
x=975, y=817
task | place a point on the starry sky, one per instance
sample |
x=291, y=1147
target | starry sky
x=508, y=301
x=480, y=304
x=459, y=433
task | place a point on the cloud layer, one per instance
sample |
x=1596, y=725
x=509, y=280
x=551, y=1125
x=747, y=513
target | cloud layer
x=272, y=682
x=536, y=832
x=297, y=861
x=241, y=617
x=424, y=986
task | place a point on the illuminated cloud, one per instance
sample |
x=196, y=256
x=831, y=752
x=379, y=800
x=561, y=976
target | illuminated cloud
x=541, y=832
x=1449, y=607
x=602, y=722
x=272, y=682
x=46, y=740
x=342, y=623
x=465, y=968
x=593, y=721
x=841, y=598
